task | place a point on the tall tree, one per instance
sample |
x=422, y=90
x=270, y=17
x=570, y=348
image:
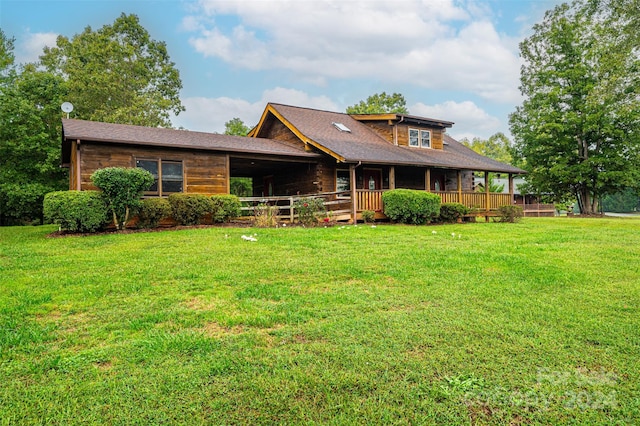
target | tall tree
x=236, y=127
x=578, y=129
x=29, y=143
x=498, y=147
x=380, y=103
x=117, y=74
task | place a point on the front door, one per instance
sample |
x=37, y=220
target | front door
x=372, y=179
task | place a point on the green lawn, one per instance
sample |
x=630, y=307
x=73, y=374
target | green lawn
x=529, y=323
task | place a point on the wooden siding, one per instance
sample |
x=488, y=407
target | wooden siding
x=275, y=129
x=403, y=135
x=382, y=128
x=204, y=172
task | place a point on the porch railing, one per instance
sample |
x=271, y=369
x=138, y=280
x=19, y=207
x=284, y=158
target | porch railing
x=476, y=200
x=372, y=200
x=338, y=203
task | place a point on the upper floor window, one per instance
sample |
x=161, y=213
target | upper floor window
x=420, y=138
x=167, y=174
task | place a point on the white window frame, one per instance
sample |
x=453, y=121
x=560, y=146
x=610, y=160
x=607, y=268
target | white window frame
x=419, y=138
x=422, y=140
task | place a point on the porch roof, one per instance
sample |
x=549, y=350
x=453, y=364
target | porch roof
x=362, y=144
x=170, y=138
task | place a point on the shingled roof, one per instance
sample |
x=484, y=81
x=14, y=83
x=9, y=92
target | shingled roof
x=154, y=136
x=362, y=144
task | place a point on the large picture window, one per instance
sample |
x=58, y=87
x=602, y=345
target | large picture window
x=420, y=138
x=167, y=175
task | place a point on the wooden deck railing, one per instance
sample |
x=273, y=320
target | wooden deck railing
x=339, y=203
x=372, y=200
x=476, y=200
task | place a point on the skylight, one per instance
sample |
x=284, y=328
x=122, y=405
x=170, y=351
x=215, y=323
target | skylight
x=341, y=127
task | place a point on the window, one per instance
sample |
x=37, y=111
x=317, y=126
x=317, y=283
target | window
x=413, y=137
x=168, y=177
x=420, y=138
x=342, y=180
x=425, y=138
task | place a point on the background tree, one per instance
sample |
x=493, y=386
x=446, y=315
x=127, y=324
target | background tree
x=29, y=138
x=117, y=74
x=498, y=147
x=380, y=103
x=236, y=127
x=577, y=131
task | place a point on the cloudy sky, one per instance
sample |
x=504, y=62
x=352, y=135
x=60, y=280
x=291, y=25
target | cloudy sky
x=454, y=60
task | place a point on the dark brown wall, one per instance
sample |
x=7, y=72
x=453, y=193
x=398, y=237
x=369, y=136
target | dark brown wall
x=277, y=130
x=410, y=178
x=204, y=172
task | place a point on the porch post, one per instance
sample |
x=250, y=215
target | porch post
x=486, y=190
x=392, y=177
x=228, y=173
x=78, y=164
x=459, y=179
x=427, y=180
x=354, y=200
x=511, y=191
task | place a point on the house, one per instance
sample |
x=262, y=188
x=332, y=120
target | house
x=293, y=151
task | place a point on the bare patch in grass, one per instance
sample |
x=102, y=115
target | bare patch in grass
x=213, y=329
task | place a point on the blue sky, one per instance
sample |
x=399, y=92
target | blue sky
x=452, y=60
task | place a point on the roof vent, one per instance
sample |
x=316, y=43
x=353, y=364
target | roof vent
x=341, y=127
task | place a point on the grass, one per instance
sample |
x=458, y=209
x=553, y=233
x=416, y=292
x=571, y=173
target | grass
x=530, y=323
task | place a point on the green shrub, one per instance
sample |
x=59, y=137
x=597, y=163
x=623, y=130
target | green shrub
x=189, y=209
x=152, y=211
x=122, y=188
x=411, y=206
x=224, y=208
x=309, y=210
x=368, y=216
x=452, y=212
x=510, y=213
x=76, y=211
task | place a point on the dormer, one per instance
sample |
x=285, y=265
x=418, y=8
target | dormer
x=407, y=130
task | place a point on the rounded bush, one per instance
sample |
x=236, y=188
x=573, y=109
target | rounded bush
x=510, y=213
x=152, y=211
x=452, y=212
x=224, y=207
x=76, y=211
x=122, y=188
x=189, y=209
x=411, y=206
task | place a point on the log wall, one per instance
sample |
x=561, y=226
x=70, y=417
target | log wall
x=204, y=172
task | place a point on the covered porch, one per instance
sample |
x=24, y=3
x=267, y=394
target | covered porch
x=452, y=186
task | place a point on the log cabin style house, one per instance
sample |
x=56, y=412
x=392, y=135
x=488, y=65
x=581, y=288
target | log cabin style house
x=293, y=151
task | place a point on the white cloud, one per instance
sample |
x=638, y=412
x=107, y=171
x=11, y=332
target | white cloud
x=30, y=49
x=435, y=45
x=210, y=114
x=470, y=120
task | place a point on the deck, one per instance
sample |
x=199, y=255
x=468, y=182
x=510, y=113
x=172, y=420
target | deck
x=339, y=203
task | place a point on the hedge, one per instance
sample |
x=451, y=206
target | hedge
x=452, y=212
x=224, y=208
x=76, y=211
x=411, y=206
x=189, y=209
x=152, y=211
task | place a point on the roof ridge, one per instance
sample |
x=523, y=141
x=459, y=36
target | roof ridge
x=307, y=108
